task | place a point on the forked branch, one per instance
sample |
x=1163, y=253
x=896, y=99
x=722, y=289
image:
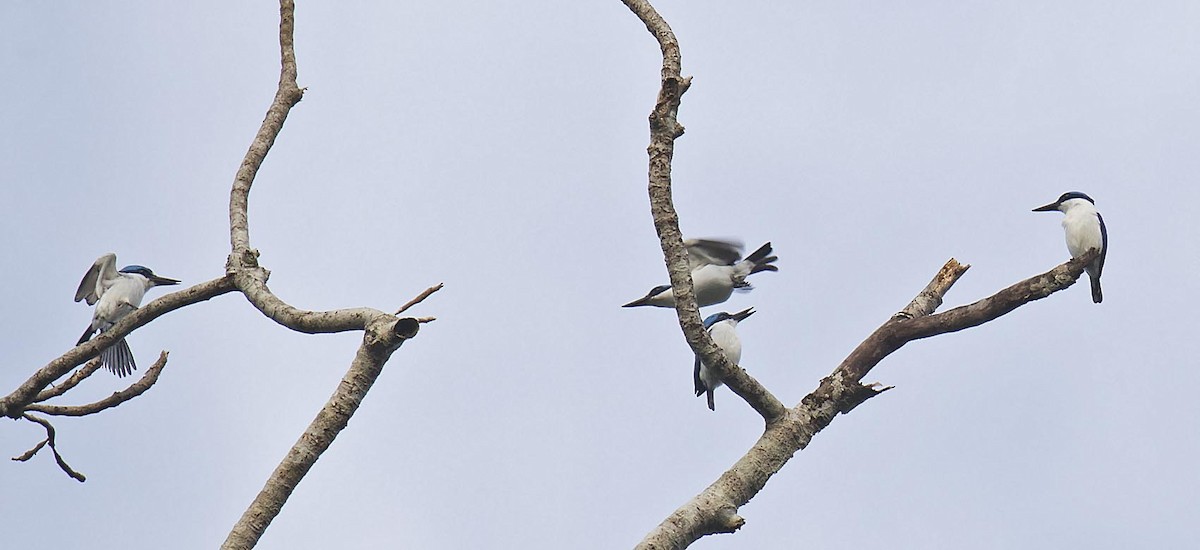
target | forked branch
x=137, y=388
x=714, y=509
x=62, y=464
x=13, y=404
x=383, y=333
x=787, y=431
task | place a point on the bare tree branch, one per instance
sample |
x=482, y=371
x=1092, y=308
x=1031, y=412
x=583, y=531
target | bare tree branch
x=664, y=129
x=76, y=377
x=13, y=404
x=897, y=332
x=787, y=431
x=714, y=510
x=62, y=464
x=420, y=298
x=137, y=388
x=379, y=341
x=928, y=300
x=383, y=333
x=286, y=96
x=252, y=281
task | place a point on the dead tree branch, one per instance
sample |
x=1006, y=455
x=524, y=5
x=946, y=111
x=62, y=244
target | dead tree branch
x=787, y=431
x=62, y=464
x=379, y=341
x=76, y=377
x=13, y=404
x=383, y=333
x=714, y=510
x=664, y=129
x=137, y=388
x=420, y=298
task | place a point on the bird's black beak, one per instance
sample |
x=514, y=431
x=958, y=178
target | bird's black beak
x=1048, y=208
x=637, y=302
x=163, y=281
x=743, y=314
x=645, y=300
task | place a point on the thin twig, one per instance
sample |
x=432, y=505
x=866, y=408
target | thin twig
x=78, y=376
x=137, y=388
x=420, y=298
x=62, y=464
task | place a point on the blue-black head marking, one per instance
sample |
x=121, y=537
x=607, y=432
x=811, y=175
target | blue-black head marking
x=724, y=315
x=139, y=269
x=148, y=274
x=1074, y=195
x=658, y=290
x=1056, y=205
x=645, y=300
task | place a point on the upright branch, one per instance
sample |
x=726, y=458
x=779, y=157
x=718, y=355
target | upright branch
x=286, y=96
x=383, y=333
x=664, y=129
x=787, y=431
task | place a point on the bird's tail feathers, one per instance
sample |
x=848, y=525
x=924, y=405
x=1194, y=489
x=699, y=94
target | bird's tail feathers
x=761, y=259
x=87, y=335
x=701, y=387
x=1097, y=296
x=118, y=358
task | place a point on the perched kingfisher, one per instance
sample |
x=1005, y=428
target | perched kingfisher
x=717, y=269
x=1085, y=230
x=115, y=295
x=722, y=328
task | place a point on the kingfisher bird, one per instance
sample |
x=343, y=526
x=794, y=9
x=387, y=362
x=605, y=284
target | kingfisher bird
x=115, y=295
x=717, y=269
x=722, y=328
x=1085, y=230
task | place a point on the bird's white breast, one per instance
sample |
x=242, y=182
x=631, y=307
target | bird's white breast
x=1082, y=226
x=725, y=337
x=114, y=303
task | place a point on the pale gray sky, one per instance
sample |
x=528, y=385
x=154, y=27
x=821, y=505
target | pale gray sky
x=500, y=148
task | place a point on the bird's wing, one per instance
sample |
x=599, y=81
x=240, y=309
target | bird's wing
x=91, y=287
x=702, y=252
x=700, y=387
x=1103, y=245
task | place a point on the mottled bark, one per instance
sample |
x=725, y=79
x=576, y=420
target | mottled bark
x=379, y=341
x=714, y=510
x=664, y=129
x=148, y=379
x=383, y=333
x=787, y=431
